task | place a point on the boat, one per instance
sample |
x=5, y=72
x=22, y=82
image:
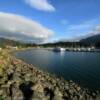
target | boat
x=59, y=49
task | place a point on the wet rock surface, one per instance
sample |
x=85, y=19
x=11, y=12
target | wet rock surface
x=21, y=81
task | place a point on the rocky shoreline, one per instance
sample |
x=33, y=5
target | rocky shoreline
x=21, y=81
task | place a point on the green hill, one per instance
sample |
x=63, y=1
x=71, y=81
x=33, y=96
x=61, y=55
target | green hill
x=4, y=42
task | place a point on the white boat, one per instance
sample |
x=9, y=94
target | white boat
x=88, y=49
x=59, y=49
x=78, y=49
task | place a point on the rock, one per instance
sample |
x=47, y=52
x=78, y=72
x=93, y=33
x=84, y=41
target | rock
x=38, y=92
x=15, y=92
x=98, y=97
x=57, y=94
x=78, y=88
x=38, y=87
x=27, y=77
x=1, y=92
x=75, y=98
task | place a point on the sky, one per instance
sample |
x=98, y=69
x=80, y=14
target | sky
x=49, y=20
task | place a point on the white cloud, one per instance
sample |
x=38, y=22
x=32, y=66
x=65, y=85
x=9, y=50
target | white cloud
x=82, y=30
x=20, y=28
x=43, y=5
x=64, y=22
x=96, y=30
x=85, y=25
x=85, y=28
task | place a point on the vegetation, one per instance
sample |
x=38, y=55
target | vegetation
x=7, y=42
x=87, y=42
x=72, y=44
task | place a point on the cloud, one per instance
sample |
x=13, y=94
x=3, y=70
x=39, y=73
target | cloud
x=97, y=28
x=64, y=22
x=85, y=28
x=82, y=30
x=94, y=31
x=84, y=25
x=20, y=28
x=43, y=5
x=77, y=37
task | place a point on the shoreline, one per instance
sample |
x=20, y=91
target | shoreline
x=20, y=80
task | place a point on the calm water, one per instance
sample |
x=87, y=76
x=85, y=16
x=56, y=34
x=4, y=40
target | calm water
x=81, y=67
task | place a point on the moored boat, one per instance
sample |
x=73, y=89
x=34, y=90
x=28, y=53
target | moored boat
x=59, y=49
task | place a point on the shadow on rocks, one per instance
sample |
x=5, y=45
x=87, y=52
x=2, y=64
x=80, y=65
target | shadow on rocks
x=26, y=90
x=49, y=92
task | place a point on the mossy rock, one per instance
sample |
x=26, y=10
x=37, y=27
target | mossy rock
x=1, y=98
x=1, y=69
x=3, y=79
x=3, y=76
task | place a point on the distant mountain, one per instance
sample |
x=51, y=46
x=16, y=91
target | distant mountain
x=86, y=42
x=92, y=39
x=4, y=42
x=89, y=41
